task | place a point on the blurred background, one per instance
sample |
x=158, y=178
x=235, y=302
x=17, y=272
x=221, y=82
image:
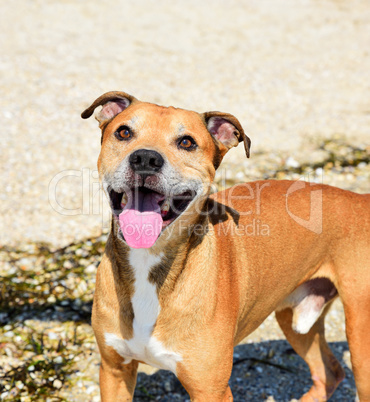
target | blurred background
x=295, y=73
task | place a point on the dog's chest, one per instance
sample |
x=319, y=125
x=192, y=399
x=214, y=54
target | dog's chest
x=143, y=345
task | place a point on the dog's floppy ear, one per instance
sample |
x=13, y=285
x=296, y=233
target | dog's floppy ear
x=227, y=129
x=113, y=102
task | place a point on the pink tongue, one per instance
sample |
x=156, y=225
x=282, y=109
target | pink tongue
x=141, y=220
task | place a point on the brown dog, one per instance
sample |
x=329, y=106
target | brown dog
x=187, y=275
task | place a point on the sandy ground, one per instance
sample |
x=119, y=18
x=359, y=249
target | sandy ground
x=290, y=71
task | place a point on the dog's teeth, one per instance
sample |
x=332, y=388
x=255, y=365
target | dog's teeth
x=124, y=199
x=165, y=206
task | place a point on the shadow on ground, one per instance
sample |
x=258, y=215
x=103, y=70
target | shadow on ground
x=261, y=370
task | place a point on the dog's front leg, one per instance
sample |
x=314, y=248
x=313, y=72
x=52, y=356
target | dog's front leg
x=206, y=374
x=209, y=392
x=227, y=396
x=117, y=381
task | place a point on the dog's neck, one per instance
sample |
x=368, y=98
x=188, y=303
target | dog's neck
x=168, y=258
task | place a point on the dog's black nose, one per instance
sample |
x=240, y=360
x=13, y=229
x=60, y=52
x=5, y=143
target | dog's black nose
x=146, y=161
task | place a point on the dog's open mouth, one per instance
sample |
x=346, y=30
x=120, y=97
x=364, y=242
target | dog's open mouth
x=143, y=213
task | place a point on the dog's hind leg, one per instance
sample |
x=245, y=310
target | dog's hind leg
x=325, y=369
x=353, y=283
x=356, y=301
x=358, y=336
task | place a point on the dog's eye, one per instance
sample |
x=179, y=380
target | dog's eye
x=187, y=143
x=123, y=133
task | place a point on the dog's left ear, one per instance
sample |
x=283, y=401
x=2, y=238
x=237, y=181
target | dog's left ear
x=226, y=129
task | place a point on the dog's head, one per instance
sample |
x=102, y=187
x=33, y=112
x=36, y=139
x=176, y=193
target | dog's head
x=156, y=163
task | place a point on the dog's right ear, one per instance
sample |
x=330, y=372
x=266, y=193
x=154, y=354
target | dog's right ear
x=113, y=102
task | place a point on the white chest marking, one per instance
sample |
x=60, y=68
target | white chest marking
x=143, y=346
